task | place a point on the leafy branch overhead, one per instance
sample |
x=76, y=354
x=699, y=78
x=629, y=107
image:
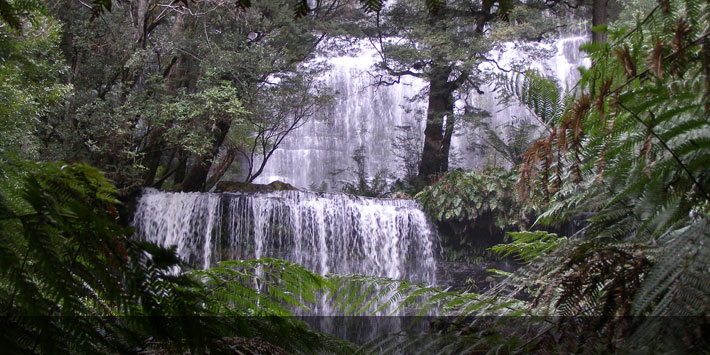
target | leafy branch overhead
x=300, y=7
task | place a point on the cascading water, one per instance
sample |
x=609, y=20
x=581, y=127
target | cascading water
x=326, y=233
x=335, y=233
x=562, y=66
x=319, y=154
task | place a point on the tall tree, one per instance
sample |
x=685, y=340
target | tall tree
x=141, y=70
x=599, y=17
x=274, y=112
x=30, y=76
x=446, y=45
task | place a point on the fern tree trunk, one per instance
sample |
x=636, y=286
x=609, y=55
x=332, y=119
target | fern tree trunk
x=599, y=17
x=181, y=169
x=154, y=151
x=706, y=65
x=221, y=168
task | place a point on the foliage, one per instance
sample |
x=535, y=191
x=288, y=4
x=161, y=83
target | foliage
x=507, y=141
x=529, y=245
x=375, y=187
x=611, y=294
x=276, y=112
x=142, y=74
x=300, y=7
x=263, y=287
x=642, y=132
x=448, y=45
x=448, y=321
x=631, y=148
x=576, y=292
x=543, y=98
x=473, y=210
x=370, y=295
x=468, y=196
x=73, y=281
x=14, y=12
x=64, y=256
x=263, y=295
x=541, y=94
x=406, y=146
x=187, y=118
x=30, y=76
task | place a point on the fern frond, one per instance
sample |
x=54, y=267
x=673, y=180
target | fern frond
x=529, y=245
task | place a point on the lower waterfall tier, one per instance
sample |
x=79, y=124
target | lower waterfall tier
x=327, y=233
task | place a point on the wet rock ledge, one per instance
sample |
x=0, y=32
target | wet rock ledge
x=238, y=186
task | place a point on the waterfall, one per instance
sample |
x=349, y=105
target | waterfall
x=326, y=233
x=319, y=154
x=561, y=66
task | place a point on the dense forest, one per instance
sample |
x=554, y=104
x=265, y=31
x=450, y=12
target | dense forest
x=583, y=227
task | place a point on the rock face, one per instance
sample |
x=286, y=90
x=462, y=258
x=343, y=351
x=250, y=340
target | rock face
x=238, y=186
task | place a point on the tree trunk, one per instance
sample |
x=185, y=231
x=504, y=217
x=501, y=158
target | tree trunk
x=141, y=23
x=181, y=168
x=706, y=64
x=152, y=158
x=599, y=17
x=222, y=167
x=197, y=177
x=437, y=135
x=181, y=73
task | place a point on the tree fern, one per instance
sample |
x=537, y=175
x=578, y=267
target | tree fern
x=644, y=138
x=72, y=281
x=529, y=245
x=631, y=149
x=263, y=287
x=677, y=285
x=542, y=95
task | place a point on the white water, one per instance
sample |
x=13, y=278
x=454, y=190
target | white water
x=562, y=66
x=319, y=153
x=326, y=233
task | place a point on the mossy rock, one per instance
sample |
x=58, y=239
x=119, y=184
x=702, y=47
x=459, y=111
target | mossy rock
x=238, y=186
x=400, y=194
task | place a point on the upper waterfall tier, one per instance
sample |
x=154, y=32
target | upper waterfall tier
x=319, y=154
x=327, y=233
